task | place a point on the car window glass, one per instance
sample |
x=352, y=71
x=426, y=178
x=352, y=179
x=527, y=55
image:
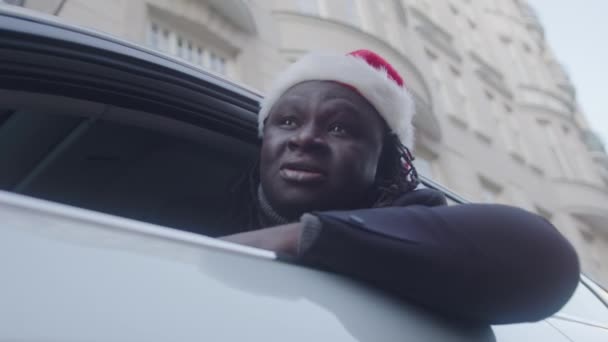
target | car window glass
x=452, y=202
x=126, y=163
x=536, y=331
x=580, y=332
x=597, y=289
x=584, y=304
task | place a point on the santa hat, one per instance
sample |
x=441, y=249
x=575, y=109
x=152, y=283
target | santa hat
x=363, y=70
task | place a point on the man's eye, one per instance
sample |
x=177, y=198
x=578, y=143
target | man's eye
x=287, y=122
x=337, y=129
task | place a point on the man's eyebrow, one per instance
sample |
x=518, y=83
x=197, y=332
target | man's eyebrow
x=297, y=102
x=342, y=103
x=295, y=97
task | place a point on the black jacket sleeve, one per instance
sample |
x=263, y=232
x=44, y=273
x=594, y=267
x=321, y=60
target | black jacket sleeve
x=485, y=263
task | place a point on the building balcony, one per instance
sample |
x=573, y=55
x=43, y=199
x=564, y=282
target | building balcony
x=576, y=196
x=600, y=160
x=534, y=97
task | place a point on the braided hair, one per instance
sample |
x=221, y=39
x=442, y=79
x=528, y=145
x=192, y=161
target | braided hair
x=396, y=172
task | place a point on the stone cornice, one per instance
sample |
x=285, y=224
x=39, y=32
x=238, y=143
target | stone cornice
x=526, y=87
x=546, y=110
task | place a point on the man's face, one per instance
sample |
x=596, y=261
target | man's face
x=320, y=150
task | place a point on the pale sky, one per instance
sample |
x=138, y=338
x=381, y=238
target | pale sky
x=576, y=31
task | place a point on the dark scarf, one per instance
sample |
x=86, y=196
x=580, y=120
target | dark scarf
x=267, y=215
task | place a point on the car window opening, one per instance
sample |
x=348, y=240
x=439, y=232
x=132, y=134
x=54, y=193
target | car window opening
x=142, y=171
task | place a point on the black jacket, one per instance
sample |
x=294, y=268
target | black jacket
x=478, y=262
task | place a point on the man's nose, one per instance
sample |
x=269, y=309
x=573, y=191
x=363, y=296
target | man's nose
x=307, y=137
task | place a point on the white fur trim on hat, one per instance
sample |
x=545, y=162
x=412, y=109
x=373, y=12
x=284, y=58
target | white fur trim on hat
x=393, y=102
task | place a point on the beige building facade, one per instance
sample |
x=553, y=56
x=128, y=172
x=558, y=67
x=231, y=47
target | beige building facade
x=498, y=120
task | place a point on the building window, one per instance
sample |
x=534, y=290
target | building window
x=555, y=149
x=425, y=7
x=435, y=69
x=516, y=140
x=154, y=36
x=382, y=19
x=159, y=38
x=482, y=117
x=401, y=12
x=490, y=191
x=439, y=84
x=472, y=24
x=13, y=2
x=587, y=234
x=544, y=213
x=502, y=122
x=312, y=7
x=423, y=167
x=580, y=162
x=506, y=125
x=454, y=9
x=459, y=103
x=217, y=63
x=475, y=43
x=489, y=96
x=520, y=73
x=351, y=12
x=179, y=44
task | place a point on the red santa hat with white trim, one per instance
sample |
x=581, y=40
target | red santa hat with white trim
x=363, y=70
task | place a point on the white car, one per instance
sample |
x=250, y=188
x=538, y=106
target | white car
x=105, y=144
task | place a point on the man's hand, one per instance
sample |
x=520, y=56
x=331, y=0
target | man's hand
x=281, y=239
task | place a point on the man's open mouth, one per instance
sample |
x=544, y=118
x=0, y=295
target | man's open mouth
x=301, y=173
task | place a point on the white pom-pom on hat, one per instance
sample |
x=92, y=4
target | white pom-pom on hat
x=363, y=70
